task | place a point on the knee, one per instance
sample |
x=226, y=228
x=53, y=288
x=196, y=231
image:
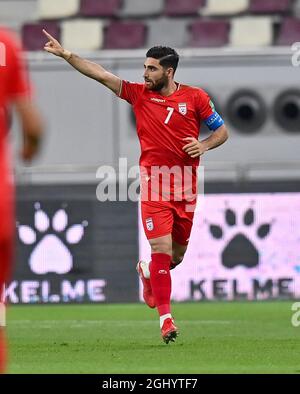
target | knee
x=161, y=247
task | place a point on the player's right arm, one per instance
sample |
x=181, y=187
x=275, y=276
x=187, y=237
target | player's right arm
x=86, y=67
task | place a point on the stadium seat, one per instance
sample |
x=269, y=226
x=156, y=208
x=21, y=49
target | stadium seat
x=82, y=34
x=289, y=32
x=102, y=8
x=209, y=33
x=269, y=6
x=183, y=8
x=221, y=7
x=162, y=32
x=33, y=37
x=251, y=31
x=56, y=9
x=138, y=8
x=125, y=35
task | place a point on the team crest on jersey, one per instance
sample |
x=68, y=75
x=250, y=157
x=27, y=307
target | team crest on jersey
x=149, y=224
x=182, y=107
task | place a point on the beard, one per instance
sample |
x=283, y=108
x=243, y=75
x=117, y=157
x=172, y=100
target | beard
x=159, y=84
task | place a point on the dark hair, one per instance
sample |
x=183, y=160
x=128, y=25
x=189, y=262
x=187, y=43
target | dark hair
x=167, y=56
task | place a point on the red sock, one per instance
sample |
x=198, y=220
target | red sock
x=160, y=279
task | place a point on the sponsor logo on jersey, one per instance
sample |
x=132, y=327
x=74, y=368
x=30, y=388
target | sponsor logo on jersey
x=157, y=100
x=149, y=224
x=182, y=107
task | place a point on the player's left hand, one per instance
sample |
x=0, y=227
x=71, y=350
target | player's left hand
x=194, y=148
x=30, y=148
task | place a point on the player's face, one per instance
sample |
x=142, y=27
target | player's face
x=155, y=76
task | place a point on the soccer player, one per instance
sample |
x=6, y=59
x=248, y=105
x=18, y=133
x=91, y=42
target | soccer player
x=14, y=89
x=168, y=116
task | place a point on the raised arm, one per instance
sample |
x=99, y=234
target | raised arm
x=90, y=69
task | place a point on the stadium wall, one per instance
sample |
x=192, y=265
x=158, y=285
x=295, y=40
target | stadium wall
x=257, y=92
x=72, y=248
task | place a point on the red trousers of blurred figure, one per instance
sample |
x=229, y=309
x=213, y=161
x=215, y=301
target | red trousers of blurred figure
x=7, y=225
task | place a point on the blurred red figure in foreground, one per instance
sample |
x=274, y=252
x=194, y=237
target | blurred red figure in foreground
x=14, y=89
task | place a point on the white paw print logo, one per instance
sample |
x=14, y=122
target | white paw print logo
x=50, y=254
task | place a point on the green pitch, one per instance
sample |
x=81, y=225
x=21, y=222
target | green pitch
x=214, y=338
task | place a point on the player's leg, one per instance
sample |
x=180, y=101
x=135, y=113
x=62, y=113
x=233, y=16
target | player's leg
x=2, y=350
x=2, y=324
x=157, y=218
x=157, y=221
x=142, y=268
x=161, y=245
x=5, y=266
x=182, y=227
x=7, y=224
x=178, y=252
x=160, y=278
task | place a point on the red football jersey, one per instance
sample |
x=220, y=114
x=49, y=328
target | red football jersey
x=163, y=122
x=14, y=82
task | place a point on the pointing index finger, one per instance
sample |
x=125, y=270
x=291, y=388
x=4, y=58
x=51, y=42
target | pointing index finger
x=48, y=35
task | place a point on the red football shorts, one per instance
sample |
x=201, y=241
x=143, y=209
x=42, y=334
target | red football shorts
x=168, y=204
x=168, y=217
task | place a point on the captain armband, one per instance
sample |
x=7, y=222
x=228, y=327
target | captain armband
x=214, y=121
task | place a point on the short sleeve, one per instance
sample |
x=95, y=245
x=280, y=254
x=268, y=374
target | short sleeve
x=130, y=91
x=205, y=105
x=207, y=111
x=18, y=83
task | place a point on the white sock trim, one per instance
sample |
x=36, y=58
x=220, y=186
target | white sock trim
x=163, y=318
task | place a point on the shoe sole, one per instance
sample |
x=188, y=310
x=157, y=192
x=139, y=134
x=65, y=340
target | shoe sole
x=170, y=336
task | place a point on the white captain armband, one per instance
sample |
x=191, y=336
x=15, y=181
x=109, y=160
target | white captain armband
x=214, y=121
